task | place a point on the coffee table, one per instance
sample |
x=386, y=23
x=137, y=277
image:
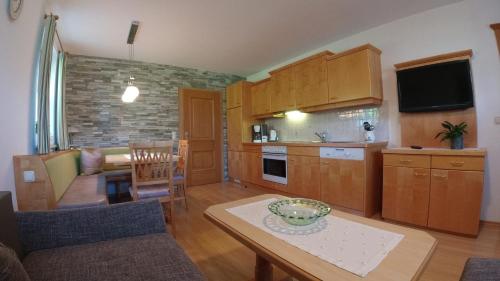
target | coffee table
x=405, y=262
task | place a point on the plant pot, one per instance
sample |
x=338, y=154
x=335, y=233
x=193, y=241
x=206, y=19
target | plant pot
x=457, y=142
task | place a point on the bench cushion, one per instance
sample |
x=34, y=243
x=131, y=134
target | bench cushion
x=62, y=170
x=147, y=257
x=85, y=191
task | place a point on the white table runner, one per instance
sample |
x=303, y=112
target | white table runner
x=352, y=246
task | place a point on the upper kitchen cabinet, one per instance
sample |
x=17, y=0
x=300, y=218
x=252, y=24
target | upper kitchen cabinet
x=354, y=77
x=282, y=97
x=310, y=80
x=261, y=97
x=238, y=117
x=234, y=94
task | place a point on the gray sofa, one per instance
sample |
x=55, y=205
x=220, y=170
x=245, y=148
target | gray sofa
x=125, y=241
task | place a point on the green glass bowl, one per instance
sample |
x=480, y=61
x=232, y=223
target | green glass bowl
x=299, y=211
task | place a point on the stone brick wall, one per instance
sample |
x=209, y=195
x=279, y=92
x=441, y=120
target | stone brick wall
x=96, y=115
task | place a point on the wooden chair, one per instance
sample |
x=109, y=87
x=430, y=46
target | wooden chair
x=152, y=173
x=181, y=170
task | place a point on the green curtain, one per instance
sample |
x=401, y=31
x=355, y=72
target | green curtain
x=43, y=85
x=62, y=138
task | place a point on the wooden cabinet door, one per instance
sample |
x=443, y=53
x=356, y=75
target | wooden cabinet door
x=343, y=182
x=252, y=167
x=455, y=200
x=406, y=194
x=304, y=176
x=309, y=82
x=234, y=130
x=351, y=77
x=234, y=164
x=234, y=95
x=282, y=98
x=260, y=94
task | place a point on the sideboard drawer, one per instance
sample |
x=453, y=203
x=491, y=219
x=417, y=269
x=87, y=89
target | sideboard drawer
x=401, y=160
x=458, y=163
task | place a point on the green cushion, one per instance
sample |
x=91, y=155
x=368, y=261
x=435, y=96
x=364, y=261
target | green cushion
x=62, y=170
x=114, y=150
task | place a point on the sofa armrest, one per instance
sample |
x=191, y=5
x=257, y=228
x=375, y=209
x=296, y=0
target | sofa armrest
x=52, y=229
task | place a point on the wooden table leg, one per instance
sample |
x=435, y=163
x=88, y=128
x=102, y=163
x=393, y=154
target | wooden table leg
x=263, y=269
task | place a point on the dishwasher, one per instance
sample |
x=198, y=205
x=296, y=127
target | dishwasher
x=347, y=153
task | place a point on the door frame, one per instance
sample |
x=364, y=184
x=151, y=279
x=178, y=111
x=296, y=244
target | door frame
x=182, y=125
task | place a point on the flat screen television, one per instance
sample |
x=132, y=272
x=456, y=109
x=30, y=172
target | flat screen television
x=436, y=87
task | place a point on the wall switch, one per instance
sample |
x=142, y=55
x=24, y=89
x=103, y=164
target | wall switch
x=497, y=120
x=29, y=176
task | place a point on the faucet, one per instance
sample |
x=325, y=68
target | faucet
x=321, y=136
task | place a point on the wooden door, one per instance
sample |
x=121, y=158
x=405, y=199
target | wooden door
x=260, y=94
x=234, y=130
x=235, y=164
x=304, y=176
x=343, y=182
x=310, y=85
x=406, y=194
x=282, y=98
x=350, y=77
x=200, y=123
x=252, y=171
x=234, y=95
x=455, y=200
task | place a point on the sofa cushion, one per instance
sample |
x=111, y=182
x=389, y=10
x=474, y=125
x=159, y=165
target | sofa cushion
x=481, y=269
x=85, y=191
x=91, y=161
x=62, y=170
x=148, y=257
x=11, y=268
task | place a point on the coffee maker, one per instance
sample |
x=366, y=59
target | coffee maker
x=259, y=133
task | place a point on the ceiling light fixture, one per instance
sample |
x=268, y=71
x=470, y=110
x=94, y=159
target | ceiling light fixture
x=131, y=92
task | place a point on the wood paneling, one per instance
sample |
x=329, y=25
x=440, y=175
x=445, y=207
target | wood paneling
x=434, y=59
x=402, y=160
x=455, y=201
x=421, y=128
x=458, y=163
x=310, y=82
x=235, y=164
x=496, y=29
x=406, y=194
x=261, y=97
x=355, y=75
x=304, y=176
x=343, y=182
x=200, y=124
x=282, y=97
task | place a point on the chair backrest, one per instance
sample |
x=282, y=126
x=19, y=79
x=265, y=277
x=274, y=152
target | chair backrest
x=151, y=162
x=182, y=163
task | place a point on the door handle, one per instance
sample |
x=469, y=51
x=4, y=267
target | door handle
x=405, y=161
x=440, y=176
x=419, y=174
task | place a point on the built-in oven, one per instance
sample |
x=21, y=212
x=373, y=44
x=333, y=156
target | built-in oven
x=274, y=163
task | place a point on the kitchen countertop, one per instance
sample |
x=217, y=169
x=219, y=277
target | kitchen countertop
x=320, y=144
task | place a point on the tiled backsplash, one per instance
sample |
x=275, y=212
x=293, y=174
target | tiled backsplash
x=340, y=125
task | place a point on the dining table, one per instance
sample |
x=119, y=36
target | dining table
x=124, y=160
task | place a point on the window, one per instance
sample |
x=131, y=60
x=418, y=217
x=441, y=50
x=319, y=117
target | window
x=53, y=98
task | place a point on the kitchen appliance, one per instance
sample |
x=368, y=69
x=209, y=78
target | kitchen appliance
x=342, y=153
x=274, y=163
x=273, y=135
x=258, y=131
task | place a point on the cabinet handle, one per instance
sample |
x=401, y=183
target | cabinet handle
x=420, y=174
x=403, y=161
x=457, y=163
x=259, y=156
x=440, y=176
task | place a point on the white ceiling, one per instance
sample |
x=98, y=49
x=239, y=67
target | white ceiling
x=230, y=36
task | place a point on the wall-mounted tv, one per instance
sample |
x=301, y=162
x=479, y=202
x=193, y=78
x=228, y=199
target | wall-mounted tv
x=442, y=86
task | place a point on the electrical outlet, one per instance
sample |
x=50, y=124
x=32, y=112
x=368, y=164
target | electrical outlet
x=29, y=176
x=497, y=120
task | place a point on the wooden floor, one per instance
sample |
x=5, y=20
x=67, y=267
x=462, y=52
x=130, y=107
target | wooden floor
x=220, y=257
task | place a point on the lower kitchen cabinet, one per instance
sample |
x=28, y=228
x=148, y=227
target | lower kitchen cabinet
x=343, y=182
x=234, y=164
x=406, y=194
x=454, y=200
x=304, y=176
x=252, y=171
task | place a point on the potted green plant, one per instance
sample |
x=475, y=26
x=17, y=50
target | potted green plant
x=453, y=133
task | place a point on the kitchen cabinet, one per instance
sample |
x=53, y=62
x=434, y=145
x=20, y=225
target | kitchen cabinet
x=355, y=75
x=309, y=80
x=234, y=95
x=304, y=176
x=343, y=182
x=234, y=128
x=261, y=101
x=234, y=163
x=439, y=188
x=282, y=97
x=252, y=171
x=406, y=194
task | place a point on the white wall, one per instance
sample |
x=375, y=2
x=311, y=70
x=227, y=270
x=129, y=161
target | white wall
x=18, y=46
x=464, y=25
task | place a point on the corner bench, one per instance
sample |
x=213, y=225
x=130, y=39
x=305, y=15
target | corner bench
x=58, y=183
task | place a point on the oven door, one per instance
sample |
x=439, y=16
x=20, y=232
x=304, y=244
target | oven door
x=274, y=167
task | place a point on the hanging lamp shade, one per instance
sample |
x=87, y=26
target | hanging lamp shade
x=131, y=92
